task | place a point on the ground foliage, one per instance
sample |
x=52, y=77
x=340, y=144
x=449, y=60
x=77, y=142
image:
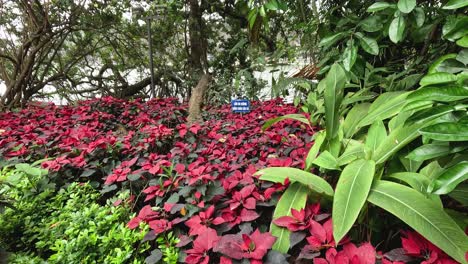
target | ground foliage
x=196, y=182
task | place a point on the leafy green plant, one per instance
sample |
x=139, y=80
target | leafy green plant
x=167, y=245
x=374, y=152
x=68, y=226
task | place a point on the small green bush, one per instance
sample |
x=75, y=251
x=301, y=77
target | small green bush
x=68, y=226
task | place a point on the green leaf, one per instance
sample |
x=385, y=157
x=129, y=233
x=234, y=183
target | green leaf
x=429, y=151
x=419, y=16
x=460, y=194
x=462, y=56
x=455, y=27
x=406, y=6
x=437, y=78
x=435, y=66
x=252, y=17
x=396, y=140
x=319, y=138
x=385, y=106
x=439, y=94
x=369, y=45
x=279, y=174
x=335, y=82
x=351, y=193
x=410, y=165
x=463, y=42
x=450, y=178
x=447, y=132
x=376, y=135
x=371, y=24
x=354, y=150
x=297, y=117
x=272, y=5
x=455, y=4
x=398, y=120
x=432, y=170
x=396, y=29
x=353, y=118
x=423, y=215
x=326, y=160
x=378, y=6
x=330, y=40
x=29, y=170
x=294, y=197
x=417, y=105
x=350, y=55
x=431, y=113
x=417, y=181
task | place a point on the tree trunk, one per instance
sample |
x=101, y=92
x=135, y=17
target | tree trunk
x=197, y=98
x=197, y=61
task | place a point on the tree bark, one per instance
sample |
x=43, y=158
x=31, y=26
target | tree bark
x=197, y=98
x=198, y=63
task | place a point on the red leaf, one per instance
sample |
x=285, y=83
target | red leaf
x=263, y=242
x=229, y=245
x=206, y=240
x=248, y=215
x=224, y=260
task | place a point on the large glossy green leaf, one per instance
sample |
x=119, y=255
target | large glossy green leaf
x=439, y=94
x=423, y=215
x=396, y=140
x=350, y=195
x=431, y=113
x=385, y=106
x=335, y=82
x=294, y=197
x=429, y=151
x=447, y=132
x=319, y=138
x=353, y=118
x=460, y=194
x=417, y=105
x=450, y=178
x=437, y=78
x=379, y=6
x=375, y=135
x=369, y=45
x=417, y=181
x=279, y=174
x=330, y=40
x=455, y=4
x=349, y=55
x=396, y=29
x=406, y=6
x=297, y=117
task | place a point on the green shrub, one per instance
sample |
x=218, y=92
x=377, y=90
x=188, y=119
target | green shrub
x=68, y=226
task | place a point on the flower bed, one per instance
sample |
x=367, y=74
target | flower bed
x=195, y=181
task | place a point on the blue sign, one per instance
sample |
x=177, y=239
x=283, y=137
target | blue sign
x=240, y=106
